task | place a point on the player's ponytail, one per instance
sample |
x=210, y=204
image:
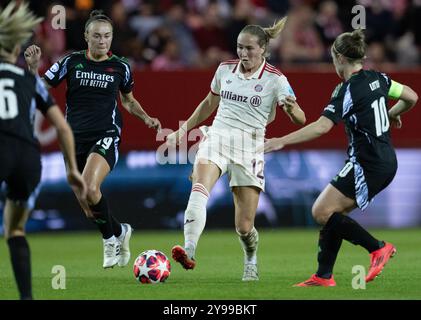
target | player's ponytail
x=265, y=34
x=97, y=15
x=16, y=25
x=276, y=28
x=351, y=45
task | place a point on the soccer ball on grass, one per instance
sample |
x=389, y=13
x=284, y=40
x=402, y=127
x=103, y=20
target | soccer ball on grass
x=152, y=266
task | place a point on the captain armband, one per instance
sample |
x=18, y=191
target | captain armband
x=395, y=90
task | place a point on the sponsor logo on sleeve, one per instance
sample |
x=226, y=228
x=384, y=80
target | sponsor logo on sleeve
x=54, y=67
x=330, y=108
x=49, y=75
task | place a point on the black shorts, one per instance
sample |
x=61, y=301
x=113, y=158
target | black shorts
x=107, y=147
x=367, y=183
x=20, y=169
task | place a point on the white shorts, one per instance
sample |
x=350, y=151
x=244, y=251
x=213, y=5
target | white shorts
x=234, y=152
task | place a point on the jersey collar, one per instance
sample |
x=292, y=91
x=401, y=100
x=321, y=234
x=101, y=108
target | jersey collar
x=109, y=54
x=355, y=73
x=257, y=75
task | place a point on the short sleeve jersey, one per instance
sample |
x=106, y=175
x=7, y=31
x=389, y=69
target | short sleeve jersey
x=92, y=92
x=361, y=103
x=247, y=103
x=21, y=93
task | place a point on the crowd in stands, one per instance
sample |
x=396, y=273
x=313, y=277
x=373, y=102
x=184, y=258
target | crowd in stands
x=181, y=34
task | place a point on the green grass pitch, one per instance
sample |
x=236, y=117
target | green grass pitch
x=286, y=256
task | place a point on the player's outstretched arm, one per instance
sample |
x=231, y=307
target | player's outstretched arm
x=67, y=145
x=407, y=99
x=203, y=111
x=293, y=110
x=130, y=103
x=309, y=132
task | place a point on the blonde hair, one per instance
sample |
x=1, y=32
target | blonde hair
x=16, y=25
x=351, y=45
x=265, y=34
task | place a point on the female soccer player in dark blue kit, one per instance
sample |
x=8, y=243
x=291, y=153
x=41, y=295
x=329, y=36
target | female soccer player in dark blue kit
x=361, y=103
x=95, y=77
x=20, y=162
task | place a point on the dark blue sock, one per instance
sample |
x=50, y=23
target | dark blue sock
x=21, y=263
x=350, y=230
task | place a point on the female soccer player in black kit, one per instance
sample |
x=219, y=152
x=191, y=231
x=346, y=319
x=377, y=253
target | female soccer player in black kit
x=94, y=79
x=20, y=161
x=361, y=103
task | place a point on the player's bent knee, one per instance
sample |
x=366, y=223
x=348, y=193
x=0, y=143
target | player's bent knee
x=244, y=225
x=93, y=195
x=244, y=229
x=320, y=215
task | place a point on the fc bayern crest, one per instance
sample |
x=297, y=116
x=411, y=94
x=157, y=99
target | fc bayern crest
x=255, y=101
x=258, y=88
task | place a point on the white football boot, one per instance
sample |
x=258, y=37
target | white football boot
x=111, y=252
x=125, y=245
x=250, y=272
x=250, y=243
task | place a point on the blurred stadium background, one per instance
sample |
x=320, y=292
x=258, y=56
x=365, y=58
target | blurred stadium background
x=174, y=47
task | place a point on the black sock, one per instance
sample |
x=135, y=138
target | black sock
x=116, y=226
x=350, y=230
x=21, y=263
x=102, y=218
x=329, y=245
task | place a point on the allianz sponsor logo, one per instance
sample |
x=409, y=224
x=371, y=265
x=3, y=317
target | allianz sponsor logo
x=330, y=108
x=232, y=96
x=94, y=76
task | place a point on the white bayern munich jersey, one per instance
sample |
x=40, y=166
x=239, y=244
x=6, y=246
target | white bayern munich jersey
x=247, y=103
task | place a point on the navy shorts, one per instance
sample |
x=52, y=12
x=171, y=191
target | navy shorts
x=20, y=169
x=107, y=147
x=366, y=184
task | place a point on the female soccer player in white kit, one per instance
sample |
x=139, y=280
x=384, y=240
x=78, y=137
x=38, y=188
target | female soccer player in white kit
x=247, y=92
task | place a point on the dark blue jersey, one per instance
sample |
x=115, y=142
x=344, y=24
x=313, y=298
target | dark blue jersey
x=361, y=103
x=20, y=94
x=92, y=92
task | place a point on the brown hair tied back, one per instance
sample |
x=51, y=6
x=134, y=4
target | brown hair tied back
x=351, y=45
x=265, y=34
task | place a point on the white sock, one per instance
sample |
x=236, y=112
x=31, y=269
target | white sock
x=195, y=217
x=249, y=242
